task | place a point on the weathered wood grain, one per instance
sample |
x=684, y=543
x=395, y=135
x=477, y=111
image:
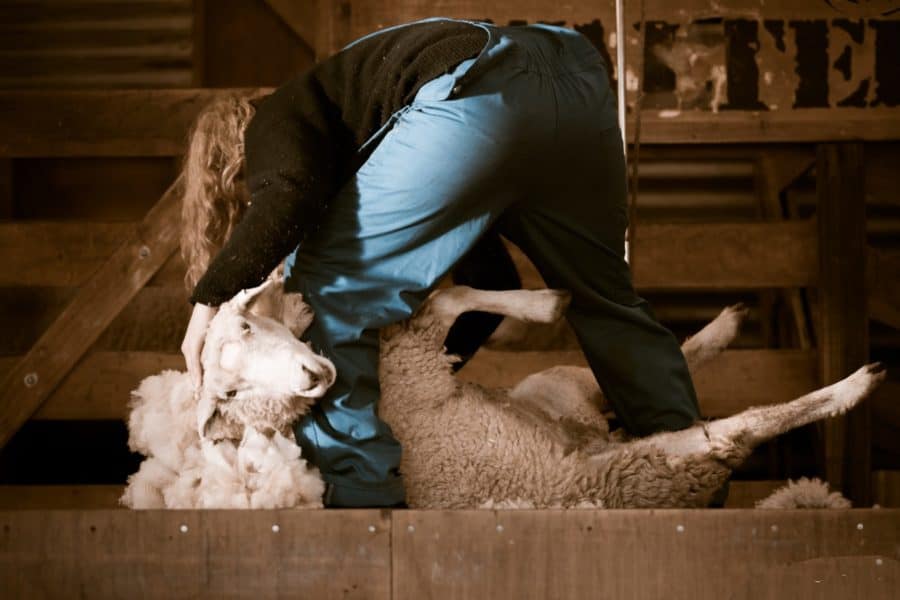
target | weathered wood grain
x=724, y=256
x=191, y=554
x=697, y=554
x=96, y=304
x=155, y=123
x=44, y=497
x=843, y=310
x=670, y=256
x=732, y=382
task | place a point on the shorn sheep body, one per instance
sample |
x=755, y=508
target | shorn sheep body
x=544, y=443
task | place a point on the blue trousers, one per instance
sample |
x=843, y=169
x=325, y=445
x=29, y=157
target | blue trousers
x=523, y=139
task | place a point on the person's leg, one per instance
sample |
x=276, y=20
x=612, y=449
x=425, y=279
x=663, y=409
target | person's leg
x=573, y=229
x=431, y=188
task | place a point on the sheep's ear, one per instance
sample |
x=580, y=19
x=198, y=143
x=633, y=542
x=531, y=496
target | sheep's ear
x=243, y=298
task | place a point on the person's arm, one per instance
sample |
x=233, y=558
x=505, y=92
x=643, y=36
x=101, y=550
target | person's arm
x=291, y=168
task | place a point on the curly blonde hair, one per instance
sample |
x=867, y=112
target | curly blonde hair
x=214, y=193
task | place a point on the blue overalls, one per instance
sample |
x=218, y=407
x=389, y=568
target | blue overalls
x=522, y=138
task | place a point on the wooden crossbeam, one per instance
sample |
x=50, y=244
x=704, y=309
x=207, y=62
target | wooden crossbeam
x=96, y=304
x=734, y=381
x=300, y=15
x=98, y=387
x=155, y=123
x=671, y=256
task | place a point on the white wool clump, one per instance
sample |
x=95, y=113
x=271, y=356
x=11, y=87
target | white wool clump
x=182, y=471
x=804, y=493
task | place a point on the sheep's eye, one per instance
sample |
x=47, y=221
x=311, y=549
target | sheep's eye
x=231, y=393
x=245, y=326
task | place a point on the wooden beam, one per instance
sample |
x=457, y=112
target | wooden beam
x=100, y=123
x=745, y=494
x=44, y=497
x=301, y=16
x=886, y=489
x=99, y=386
x=699, y=554
x=670, y=256
x=724, y=256
x=95, y=305
x=155, y=122
x=197, y=553
x=6, y=189
x=844, y=336
x=734, y=381
x=883, y=283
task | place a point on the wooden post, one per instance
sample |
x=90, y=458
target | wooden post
x=6, y=189
x=844, y=339
x=98, y=301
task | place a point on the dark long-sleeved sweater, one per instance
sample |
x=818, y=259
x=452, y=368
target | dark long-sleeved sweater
x=302, y=143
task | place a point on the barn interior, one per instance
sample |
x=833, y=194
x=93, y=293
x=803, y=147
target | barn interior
x=763, y=150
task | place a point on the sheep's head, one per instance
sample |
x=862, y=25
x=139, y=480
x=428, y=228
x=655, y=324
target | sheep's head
x=255, y=371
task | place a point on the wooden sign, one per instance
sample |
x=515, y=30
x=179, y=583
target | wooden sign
x=699, y=55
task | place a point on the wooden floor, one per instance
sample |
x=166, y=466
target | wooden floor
x=412, y=554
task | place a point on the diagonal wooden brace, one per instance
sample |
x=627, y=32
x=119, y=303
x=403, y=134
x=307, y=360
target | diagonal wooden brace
x=97, y=303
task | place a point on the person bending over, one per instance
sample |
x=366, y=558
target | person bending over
x=397, y=160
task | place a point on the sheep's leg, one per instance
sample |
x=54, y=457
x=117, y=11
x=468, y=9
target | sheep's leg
x=710, y=341
x=533, y=306
x=573, y=391
x=734, y=437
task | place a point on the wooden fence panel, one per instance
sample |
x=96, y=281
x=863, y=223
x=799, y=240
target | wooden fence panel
x=751, y=554
x=99, y=386
x=156, y=122
x=670, y=256
x=192, y=554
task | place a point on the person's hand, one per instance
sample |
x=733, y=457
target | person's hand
x=194, y=337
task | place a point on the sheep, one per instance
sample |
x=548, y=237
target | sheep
x=233, y=446
x=544, y=443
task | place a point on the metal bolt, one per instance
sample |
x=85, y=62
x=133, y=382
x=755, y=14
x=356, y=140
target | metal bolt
x=31, y=379
x=499, y=528
x=276, y=528
x=410, y=528
x=859, y=526
x=879, y=562
x=144, y=251
x=371, y=529
x=183, y=528
x=774, y=528
x=679, y=528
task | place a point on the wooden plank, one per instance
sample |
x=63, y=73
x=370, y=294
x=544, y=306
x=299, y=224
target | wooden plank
x=99, y=386
x=100, y=123
x=301, y=16
x=670, y=256
x=645, y=554
x=97, y=303
x=844, y=321
x=734, y=381
x=745, y=494
x=193, y=554
x=6, y=189
x=724, y=256
x=44, y=497
x=155, y=122
x=886, y=490
x=883, y=285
